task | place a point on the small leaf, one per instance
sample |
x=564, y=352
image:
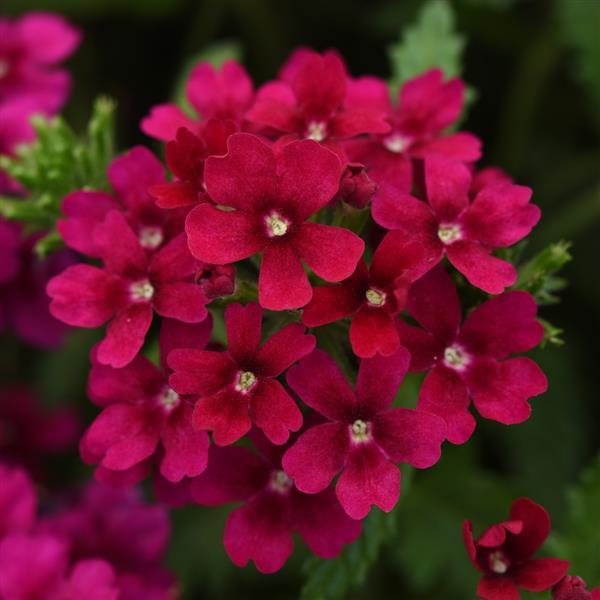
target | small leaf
x=430, y=42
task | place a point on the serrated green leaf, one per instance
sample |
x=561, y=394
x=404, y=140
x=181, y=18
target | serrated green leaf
x=430, y=42
x=538, y=275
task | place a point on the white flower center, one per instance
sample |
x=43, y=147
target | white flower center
x=169, y=399
x=498, y=563
x=396, y=142
x=141, y=290
x=455, y=358
x=4, y=68
x=317, y=131
x=276, y=225
x=449, y=233
x=375, y=297
x=245, y=382
x=359, y=431
x=150, y=237
x=280, y=482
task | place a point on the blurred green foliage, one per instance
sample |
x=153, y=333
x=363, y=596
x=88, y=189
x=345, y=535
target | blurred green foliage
x=536, y=67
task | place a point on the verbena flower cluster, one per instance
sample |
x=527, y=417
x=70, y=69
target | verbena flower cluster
x=313, y=208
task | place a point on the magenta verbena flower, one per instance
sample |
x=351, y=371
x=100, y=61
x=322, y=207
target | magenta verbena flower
x=364, y=437
x=504, y=554
x=273, y=509
x=469, y=362
x=239, y=387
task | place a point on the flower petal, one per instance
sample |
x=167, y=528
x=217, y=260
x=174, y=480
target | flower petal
x=244, y=325
x=164, y=121
x=461, y=146
x=540, y=574
x=536, y=528
x=369, y=478
x=373, y=332
x=317, y=456
x=447, y=183
x=48, y=37
x=182, y=301
x=201, y=372
x=497, y=588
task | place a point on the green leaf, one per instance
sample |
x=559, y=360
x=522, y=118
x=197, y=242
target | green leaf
x=55, y=164
x=430, y=42
x=580, y=540
x=538, y=275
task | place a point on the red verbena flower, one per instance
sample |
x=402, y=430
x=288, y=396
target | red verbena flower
x=574, y=588
x=468, y=362
x=261, y=530
x=272, y=196
x=312, y=104
x=363, y=437
x=426, y=107
x=130, y=177
x=466, y=231
x=372, y=297
x=131, y=286
x=503, y=553
x=185, y=156
x=143, y=414
x=225, y=93
x=238, y=387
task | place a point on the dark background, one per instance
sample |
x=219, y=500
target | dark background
x=536, y=68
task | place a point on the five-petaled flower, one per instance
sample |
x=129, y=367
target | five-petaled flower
x=466, y=231
x=363, y=437
x=142, y=415
x=468, y=362
x=265, y=200
x=261, y=529
x=373, y=297
x=238, y=387
x=504, y=554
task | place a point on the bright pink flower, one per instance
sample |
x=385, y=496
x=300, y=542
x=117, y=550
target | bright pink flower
x=261, y=530
x=24, y=304
x=363, y=437
x=468, y=361
x=90, y=579
x=143, y=414
x=31, y=48
x=225, y=93
x=30, y=433
x=185, y=156
x=238, y=387
x=132, y=285
x=18, y=502
x=427, y=106
x=372, y=297
x=311, y=105
x=503, y=553
x=130, y=176
x=273, y=196
x=574, y=588
x=466, y=231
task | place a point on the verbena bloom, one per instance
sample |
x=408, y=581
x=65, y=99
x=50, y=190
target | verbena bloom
x=427, y=106
x=261, y=529
x=504, y=554
x=469, y=362
x=364, y=437
x=185, y=156
x=132, y=284
x=130, y=176
x=450, y=224
x=265, y=201
x=238, y=387
x=372, y=296
x=31, y=50
x=574, y=588
x=143, y=416
x=312, y=104
x=223, y=93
